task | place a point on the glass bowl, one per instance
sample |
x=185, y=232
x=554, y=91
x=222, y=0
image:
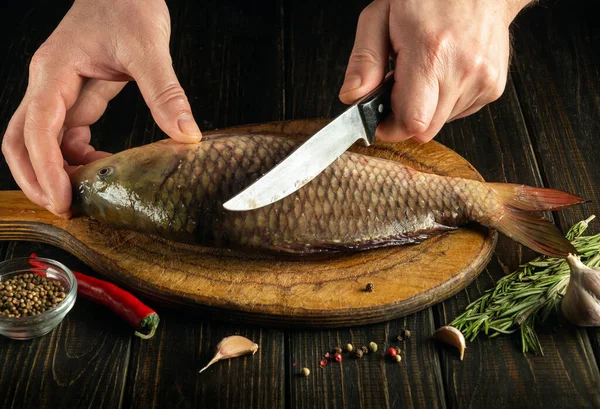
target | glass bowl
x=35, y=326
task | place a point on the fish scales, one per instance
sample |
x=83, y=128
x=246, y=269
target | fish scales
x=359, y=202
x=338, y=192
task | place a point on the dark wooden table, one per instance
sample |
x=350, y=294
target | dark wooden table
x=248, y=61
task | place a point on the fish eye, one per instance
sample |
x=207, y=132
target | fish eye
x=105, y=172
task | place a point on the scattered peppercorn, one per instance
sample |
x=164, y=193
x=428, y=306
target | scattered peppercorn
x=365, y=350
x=349, y=347
x=337, y=350
x=337, y=357
x=326, y=355
x=29, y=294
x=404, y=335
x=359, y=353
x=392, y=352
x=398, y=358
x=370, y=287
x=323, y=362
x=373, y=346
x=305, y=371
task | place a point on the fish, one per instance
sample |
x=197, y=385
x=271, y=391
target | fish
x=176, y=191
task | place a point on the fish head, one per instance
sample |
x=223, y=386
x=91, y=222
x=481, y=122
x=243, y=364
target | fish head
x=121, y=189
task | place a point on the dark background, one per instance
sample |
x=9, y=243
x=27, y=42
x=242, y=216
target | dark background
x=257, y=61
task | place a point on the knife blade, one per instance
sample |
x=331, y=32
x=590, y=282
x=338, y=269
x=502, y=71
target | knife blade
x=358, y=122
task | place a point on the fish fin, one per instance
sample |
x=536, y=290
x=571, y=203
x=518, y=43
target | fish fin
x=529, y=198
x=333, y=247
x=523, y=222
x=535, y=232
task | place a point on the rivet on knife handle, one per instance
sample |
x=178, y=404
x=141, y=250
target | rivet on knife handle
x=376, y=106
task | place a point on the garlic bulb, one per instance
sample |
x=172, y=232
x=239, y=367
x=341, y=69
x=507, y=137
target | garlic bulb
x=581, y=302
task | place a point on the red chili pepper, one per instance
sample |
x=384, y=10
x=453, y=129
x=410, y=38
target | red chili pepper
x=121, y=302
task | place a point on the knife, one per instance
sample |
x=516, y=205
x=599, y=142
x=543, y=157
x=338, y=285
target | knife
x=358, y=122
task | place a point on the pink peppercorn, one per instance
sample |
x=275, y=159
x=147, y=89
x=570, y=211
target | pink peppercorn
x=338, y=357
x=392, y=352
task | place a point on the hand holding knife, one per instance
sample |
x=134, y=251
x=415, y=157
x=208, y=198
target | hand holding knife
x=359, y=122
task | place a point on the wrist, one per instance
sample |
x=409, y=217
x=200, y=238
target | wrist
x=514, y=7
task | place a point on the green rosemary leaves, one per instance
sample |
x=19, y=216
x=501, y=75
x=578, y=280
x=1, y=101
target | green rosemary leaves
x=528, y=295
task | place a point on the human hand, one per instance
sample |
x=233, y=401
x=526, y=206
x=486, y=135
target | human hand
x=86, y=61
x=451, y=59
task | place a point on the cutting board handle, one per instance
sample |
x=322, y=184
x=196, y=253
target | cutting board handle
x=263, y=290
x=21, y=219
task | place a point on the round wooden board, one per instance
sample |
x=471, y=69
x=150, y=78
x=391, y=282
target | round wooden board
x=227, y=285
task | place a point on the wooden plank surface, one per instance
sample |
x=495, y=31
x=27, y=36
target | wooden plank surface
x=373, y=381
x=83, y=362
x=228, y=55
x=164, y=371
x=564, y=116
x=323, y=292
x=497, y=374
x=315, y=67
x=550, y=108
x=236, y=45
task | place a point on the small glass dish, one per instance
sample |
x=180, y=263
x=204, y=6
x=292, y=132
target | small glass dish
x=34, y=326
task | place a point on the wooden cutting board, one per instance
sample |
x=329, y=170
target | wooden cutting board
x=226, y=285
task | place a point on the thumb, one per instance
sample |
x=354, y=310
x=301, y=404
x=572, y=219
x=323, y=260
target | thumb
x=165, y=98
x=367, y=63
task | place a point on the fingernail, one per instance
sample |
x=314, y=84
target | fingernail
x=420, y=139
x=66, y=215
x=351, y=83
x=188, y=126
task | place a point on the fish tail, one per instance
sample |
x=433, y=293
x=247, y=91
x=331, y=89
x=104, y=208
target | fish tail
x=522, y=221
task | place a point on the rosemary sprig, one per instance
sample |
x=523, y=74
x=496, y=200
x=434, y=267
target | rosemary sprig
x=527, y=296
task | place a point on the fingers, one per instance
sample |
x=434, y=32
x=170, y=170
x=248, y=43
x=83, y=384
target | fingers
x=52, y=91
x=31, y=143
x=467, y=105
x=431, y=92
x=17, y=158
x=77, y=149
x=447, y=101
x=476, y=107
x=43, y=123
x=367, y=63
x=165, y=98
x=414, y=102
x=38, y=162
x=92, y=102
x=89, y=107
x=486, y=87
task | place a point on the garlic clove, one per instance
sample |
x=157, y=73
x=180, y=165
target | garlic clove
x=452, y=336
x=231, y=347
x=581, y=302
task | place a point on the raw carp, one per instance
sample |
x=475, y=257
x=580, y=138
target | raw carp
x=177, y=191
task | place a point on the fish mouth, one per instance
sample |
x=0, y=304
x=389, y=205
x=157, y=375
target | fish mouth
x=80, y=200
x=80, y=193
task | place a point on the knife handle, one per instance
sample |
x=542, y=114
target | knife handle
x=376, y=106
